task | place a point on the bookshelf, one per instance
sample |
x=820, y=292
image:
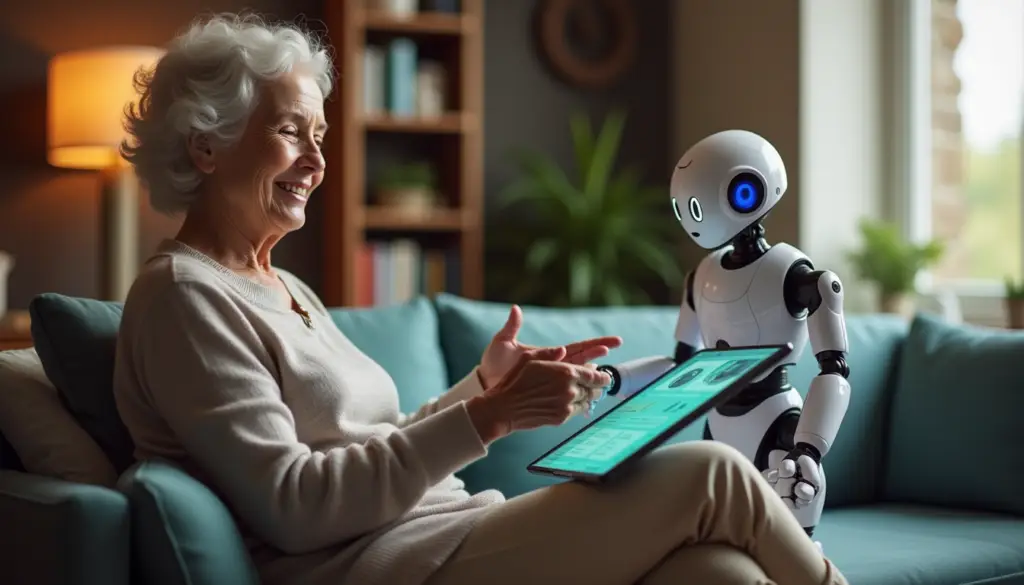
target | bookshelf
x=441, y=246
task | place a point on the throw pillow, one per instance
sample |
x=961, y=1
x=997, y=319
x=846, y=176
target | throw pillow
x=45, y=436
x=955, y=431
x=76, y=339
x=182, y=534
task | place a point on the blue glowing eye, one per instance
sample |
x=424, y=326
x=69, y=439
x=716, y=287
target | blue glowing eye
x=745, y=196
x=746, y=193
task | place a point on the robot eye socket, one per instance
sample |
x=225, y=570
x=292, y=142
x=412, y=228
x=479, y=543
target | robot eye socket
x=746, y=193
x=695, y=210
x=675, y=210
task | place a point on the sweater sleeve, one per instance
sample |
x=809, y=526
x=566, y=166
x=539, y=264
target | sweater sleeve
x=206, y=372
x=463, y=390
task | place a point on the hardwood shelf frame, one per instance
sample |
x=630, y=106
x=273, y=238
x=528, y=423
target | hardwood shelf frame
x=349, y=221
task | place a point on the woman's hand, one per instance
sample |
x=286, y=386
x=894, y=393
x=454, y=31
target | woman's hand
x=504, y=350
x=542, y=388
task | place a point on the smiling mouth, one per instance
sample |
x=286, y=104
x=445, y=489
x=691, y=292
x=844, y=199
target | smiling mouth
x=294, y=188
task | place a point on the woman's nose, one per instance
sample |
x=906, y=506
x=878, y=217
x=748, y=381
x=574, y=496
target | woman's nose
x=313, y=160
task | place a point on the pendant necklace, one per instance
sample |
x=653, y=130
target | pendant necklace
x=306, y=318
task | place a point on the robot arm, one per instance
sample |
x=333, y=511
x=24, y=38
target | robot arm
x=628, y=377
x=820, y=293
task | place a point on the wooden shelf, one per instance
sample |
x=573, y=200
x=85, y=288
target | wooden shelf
x=453, y=123
x=382, y=218
x=424, y=23
x=452, y=143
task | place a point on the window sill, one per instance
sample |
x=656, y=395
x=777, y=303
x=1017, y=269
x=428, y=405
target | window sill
x=977, y=302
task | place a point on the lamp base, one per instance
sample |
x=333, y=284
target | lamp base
x=119, y=233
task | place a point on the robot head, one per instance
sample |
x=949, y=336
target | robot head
x=725, y=183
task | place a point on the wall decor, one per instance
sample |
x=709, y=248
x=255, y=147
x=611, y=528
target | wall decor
x=587, y=43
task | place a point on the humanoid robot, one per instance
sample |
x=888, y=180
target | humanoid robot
x=747, y=292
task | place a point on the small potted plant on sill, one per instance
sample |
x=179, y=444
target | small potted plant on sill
x=408, y=187
x=1015, y=303
x=892, y=263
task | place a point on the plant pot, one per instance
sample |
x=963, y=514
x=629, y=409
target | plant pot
x=1015, y=313
x=412, y=200
x=898, y=304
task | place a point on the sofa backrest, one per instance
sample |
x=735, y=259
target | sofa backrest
x=853, y=466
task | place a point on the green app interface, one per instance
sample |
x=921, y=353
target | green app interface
x=624, y=430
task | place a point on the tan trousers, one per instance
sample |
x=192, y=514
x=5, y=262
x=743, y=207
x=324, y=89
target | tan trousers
x=696, y=513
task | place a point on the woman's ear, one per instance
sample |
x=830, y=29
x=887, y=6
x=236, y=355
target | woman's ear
x=201, y=152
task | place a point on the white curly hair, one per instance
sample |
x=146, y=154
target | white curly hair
x=207, y=82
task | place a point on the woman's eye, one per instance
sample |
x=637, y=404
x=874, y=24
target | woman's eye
x=290, y=131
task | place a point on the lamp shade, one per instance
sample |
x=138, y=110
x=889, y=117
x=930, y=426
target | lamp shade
x=87, y=92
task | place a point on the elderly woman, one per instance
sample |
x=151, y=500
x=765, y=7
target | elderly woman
x=232, y=369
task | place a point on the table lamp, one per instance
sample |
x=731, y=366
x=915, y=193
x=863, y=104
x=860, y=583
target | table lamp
x=87, y=92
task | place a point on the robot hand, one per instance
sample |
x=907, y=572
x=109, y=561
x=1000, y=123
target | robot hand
x=797, y=478
x=633, y=375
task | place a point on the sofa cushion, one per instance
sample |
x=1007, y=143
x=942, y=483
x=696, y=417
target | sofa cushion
x=955, y=432
x=903, y=545
x=854, y=465
x=42, y=432
x=182, y=534
x=404, y=340
x=76, y=339
x=467, y=327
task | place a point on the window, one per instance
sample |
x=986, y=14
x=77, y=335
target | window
x=966, y=98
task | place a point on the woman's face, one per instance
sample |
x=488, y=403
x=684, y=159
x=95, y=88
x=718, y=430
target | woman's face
x=266, y=178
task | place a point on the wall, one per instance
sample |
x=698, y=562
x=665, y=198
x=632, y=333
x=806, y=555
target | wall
x=48, y=218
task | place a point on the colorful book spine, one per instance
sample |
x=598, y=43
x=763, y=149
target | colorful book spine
x=401, y=77
x=374, y=81
x=390, y=272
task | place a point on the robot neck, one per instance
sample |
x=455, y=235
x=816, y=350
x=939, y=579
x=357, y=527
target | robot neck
x=747, y=247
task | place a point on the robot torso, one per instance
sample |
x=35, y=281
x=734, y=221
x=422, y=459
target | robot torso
x=747, y=306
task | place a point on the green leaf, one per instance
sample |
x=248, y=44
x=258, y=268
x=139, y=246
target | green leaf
x=889, y=260
x=582, y=143
x=606, y=149
x=581, y=279
x=541, y=254
x=658, y=260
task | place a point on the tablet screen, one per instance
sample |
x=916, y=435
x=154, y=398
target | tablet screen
x=625, y=429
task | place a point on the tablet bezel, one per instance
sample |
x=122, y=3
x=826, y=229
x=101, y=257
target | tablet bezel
x=727, y=393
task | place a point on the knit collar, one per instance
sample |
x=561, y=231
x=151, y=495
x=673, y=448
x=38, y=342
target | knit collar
x=259, y=294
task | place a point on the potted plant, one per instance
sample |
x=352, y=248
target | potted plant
x=892, y=263
x=410, y=187
x=1015, y=303
x=598, y=236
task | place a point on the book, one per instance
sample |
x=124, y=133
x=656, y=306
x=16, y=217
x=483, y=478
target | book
x=431, y=84
x=374, y=103
x=401, y=77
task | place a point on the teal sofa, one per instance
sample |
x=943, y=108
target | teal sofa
x=926, y=481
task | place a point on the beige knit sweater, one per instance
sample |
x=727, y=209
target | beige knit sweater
x=294, y=427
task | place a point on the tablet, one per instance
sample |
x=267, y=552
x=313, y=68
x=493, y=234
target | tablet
x=651, y=416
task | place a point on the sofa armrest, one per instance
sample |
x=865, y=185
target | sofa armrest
x=55, y=532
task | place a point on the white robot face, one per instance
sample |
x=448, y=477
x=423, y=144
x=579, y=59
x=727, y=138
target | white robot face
x=725, y=183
